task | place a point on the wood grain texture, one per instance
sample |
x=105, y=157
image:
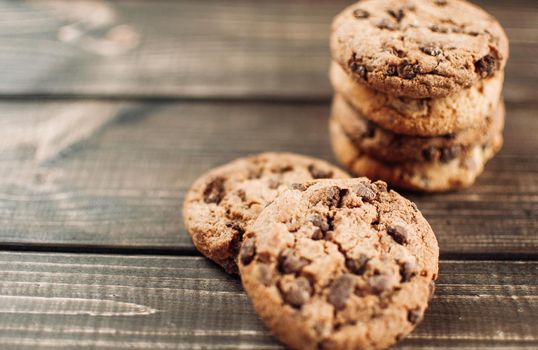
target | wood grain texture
x=123, y=187
x=94, y=172
x=196, y=49
x=148, y=302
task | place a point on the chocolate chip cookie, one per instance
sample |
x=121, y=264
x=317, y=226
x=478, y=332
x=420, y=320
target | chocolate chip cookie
x=391, y=147
x=467, y=108
x=459, y=172
x=339, y=264
x=418, y=48
x=221, y=203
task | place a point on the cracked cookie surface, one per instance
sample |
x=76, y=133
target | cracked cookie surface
x=467, y=108
x=221, y=203
x=460, y=172
x=418, y=48
x=340, y=264
x=396, y=148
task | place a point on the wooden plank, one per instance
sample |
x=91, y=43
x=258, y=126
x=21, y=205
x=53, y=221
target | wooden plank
x=200, y=48
x=147, y=302
x=123, y=186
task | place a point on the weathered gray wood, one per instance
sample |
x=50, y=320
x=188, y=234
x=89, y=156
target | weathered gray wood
x=123, y=186
x=200, y=48
x=147, y=302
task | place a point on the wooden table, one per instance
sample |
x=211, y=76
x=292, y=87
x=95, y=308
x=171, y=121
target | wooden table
x=109, y=110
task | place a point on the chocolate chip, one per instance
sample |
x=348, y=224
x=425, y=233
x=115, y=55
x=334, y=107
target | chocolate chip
x=440, y=2
x=317, y=235
x=319, y=221
x=431, y=50
x=241, y=194
x=341, y=289
x=289, y=263
x=399, y=233
x=285, y=169
x=332, y=196
x=449, y=153
x=360, y=14
x=473, y=33
x=264, y=274
x=357, y=266
x=379, y=283
x=235, y=244
x=248, y=250
x=392, y=71
x=318, y=173
x=397, y=14
x=298, y=187
x=397, y=52
x=407, y=270
x=408, y=70
x=367, y=192
x=414, y=316
x=214, y=191
x=330, y=222
x=254, y=173
x=429, y=153
x=341, y=201
x=437, y=29
x=297, y=293
x=359, y=70
x=370, y=130
x=485, y=66
x=386, y=24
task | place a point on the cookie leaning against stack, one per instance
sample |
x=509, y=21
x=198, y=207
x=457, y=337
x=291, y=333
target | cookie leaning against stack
x=423, y=80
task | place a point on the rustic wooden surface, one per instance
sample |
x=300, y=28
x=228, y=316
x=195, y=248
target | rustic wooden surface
x=110, y=109
x=148, y=302
x=124, y=186
x=190, y=48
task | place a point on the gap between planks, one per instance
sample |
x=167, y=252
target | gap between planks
x=191, y=252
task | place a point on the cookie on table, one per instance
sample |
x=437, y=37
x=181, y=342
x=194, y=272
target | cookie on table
x=391, y=147
x=460, y=172
x=221, y=203
x=464, y=109
x=340, y=264
x=418, y=48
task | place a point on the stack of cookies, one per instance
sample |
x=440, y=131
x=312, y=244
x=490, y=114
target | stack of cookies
x=329, y=262
x=417, y=91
